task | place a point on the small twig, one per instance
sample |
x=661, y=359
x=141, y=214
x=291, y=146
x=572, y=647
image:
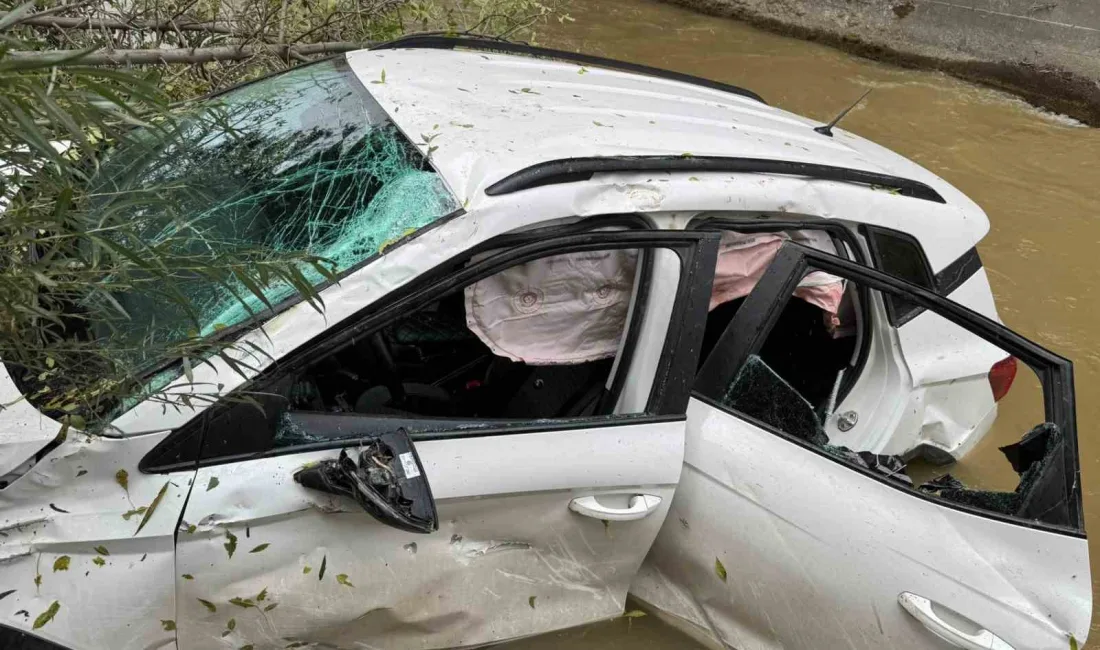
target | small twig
x=190, y=55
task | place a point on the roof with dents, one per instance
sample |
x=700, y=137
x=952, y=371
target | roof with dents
x=486, y=115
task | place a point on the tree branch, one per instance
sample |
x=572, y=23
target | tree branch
x=63, y=23
x=188, y=55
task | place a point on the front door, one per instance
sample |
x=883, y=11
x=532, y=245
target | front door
x=543, y=388
x=789, y=538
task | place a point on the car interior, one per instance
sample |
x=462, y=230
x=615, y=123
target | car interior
x=429, y=363
x=807, y=348
x=425, y=371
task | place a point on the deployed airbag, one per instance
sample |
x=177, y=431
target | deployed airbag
x=743, y=258
x=564, y=309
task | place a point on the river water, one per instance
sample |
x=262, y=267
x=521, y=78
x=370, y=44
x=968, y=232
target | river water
x=1035, y=174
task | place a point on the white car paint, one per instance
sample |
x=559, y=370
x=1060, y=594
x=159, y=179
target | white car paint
x=509, y=559
x=494, y=114
x=925, y=383
x=736, y=499
x=815, y=555
x=117, y=584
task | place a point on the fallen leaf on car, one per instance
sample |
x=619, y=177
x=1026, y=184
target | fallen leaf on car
x=46, y=616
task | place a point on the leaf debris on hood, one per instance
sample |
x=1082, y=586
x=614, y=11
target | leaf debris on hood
x=46, y=616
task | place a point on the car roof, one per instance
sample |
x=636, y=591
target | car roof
x=485, y=115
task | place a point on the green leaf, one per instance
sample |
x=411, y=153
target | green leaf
x=343, y=579
x=634, y=613
x=231, y=624
x=719, y=569
x=261, y=548
x=212, y=483
x=123, y=479
x=152, y=507
x=242, y=602
x=38, y=580
x=188, y=576
x=306, y=569
x=136, y=511
x=531, y=601
x=46, y=616
x=168, y=626
x=208, y=605
x=270, y=607
x=98, y=561
x=260, y=597
x=61, y=563
x=231, y=543
x=321, y=573
x=102, y=550
x=1072, y=642
x=246, y=647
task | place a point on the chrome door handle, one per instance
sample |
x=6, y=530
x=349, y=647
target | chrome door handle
x=980, y=639
x=640, y=507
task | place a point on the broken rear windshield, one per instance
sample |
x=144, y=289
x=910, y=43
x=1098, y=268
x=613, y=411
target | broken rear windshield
x=302, y=162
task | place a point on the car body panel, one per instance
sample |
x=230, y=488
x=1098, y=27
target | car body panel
x=23, y=429
x=509, y=559
x=815, y=554
x=74, y=504
x=486, y=115
x=926, y=382
x=784, y=545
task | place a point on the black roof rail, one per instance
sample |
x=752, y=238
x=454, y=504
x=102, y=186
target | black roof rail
x=490, y=44
x=570, y=170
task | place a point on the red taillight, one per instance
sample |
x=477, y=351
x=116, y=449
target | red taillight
x=1001, y=376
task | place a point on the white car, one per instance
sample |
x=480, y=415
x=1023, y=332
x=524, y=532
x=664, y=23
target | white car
x=601, y=329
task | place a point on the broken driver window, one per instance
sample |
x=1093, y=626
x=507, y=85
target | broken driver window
x=533, y=344
x=936, y=409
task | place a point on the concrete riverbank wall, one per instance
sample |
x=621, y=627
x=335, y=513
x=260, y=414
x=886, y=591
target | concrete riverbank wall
x=1046, y=51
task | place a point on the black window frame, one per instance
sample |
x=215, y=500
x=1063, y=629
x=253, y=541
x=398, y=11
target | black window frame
x=762, y=308
x=671, y=388
x=870, y=234
x=837, y=230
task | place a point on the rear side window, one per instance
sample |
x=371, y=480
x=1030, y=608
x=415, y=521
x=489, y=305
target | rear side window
x=900, y=255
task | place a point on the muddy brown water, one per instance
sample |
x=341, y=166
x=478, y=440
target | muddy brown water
x=1035, y=174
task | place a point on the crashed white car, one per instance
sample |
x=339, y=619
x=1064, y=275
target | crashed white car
x=601, y=330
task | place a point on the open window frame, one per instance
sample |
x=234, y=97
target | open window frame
x=186, y=447
x=749, y=328
x=839, y=233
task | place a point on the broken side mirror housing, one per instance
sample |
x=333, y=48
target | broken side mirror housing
x=384, y=475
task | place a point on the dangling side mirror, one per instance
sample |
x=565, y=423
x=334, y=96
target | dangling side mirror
x=384, y=475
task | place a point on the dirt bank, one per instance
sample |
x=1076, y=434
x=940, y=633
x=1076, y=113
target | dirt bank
x=1047, y=52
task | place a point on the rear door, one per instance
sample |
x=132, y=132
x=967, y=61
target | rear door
x=788, y=539
x=543, y=514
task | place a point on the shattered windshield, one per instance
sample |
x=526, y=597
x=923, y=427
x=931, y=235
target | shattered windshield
x=302, y=162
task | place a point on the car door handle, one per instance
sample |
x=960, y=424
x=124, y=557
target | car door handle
x=640, y=506
x=922, y=610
